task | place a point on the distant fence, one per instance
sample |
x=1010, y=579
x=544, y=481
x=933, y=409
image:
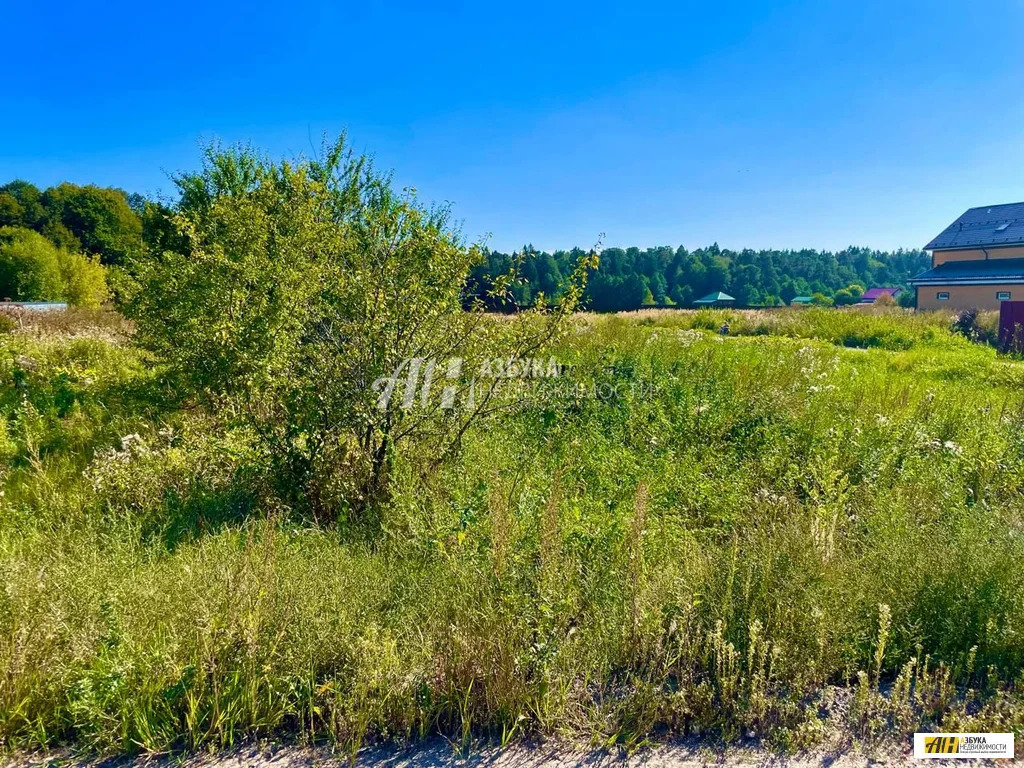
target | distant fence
x=32, y=306
x=1011, y=326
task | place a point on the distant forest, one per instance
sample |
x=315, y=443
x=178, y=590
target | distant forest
x=632, y=278
x=116, y=227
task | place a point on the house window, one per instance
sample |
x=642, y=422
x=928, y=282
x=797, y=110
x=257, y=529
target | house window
x=1002, y=295
x=942, y=295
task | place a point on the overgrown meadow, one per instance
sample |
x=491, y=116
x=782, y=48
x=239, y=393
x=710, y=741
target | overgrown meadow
x=809, y=520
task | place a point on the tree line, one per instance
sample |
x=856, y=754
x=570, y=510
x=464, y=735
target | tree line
x=54, y=243
x=113, y=227
x=103, y=222
x=631, y=278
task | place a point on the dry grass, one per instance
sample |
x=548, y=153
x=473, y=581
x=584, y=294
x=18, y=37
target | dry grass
x=74, y=322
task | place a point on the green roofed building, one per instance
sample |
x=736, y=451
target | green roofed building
x=801, y=301
x=716, y=299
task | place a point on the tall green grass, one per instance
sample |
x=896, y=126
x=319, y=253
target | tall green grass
x=706, y=534
x=862, y=327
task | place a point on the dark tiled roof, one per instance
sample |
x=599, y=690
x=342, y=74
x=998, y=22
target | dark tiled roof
x=975, y=269
x=977, y=228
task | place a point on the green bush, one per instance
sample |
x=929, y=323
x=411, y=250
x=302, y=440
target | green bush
x=30, y=268
x=34, y=269
x=84, y=279
x=305, y=288
x=843, y=298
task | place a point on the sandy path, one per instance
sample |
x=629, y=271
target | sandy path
x=438, y=754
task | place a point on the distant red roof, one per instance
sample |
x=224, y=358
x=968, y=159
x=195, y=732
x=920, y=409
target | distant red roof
x=873, y=293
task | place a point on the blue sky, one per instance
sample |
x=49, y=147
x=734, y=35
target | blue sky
x=787, y=124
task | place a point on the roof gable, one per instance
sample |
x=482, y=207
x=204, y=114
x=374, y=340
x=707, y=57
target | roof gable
x=990, y=225
x=874, y=293
x=716, y=296
x=974, y=270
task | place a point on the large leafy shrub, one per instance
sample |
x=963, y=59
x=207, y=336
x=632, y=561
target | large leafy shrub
x=83, y=277
x=301, y=284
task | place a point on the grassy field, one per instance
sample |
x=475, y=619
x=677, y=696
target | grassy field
x=737, y=535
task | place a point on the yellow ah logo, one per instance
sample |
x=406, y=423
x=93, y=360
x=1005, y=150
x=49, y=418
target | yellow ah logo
x=944, y=745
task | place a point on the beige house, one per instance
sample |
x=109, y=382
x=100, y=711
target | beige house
x=977, y=261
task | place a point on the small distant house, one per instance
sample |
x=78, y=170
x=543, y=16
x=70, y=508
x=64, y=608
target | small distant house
x=871, y=294
x=977, y=261
x=716, y=299
x=801, y=301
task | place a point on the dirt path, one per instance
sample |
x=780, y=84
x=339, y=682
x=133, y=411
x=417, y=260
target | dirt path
x=438, y=754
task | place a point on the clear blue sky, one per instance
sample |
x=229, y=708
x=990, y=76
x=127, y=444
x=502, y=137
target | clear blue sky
x=786, y=124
